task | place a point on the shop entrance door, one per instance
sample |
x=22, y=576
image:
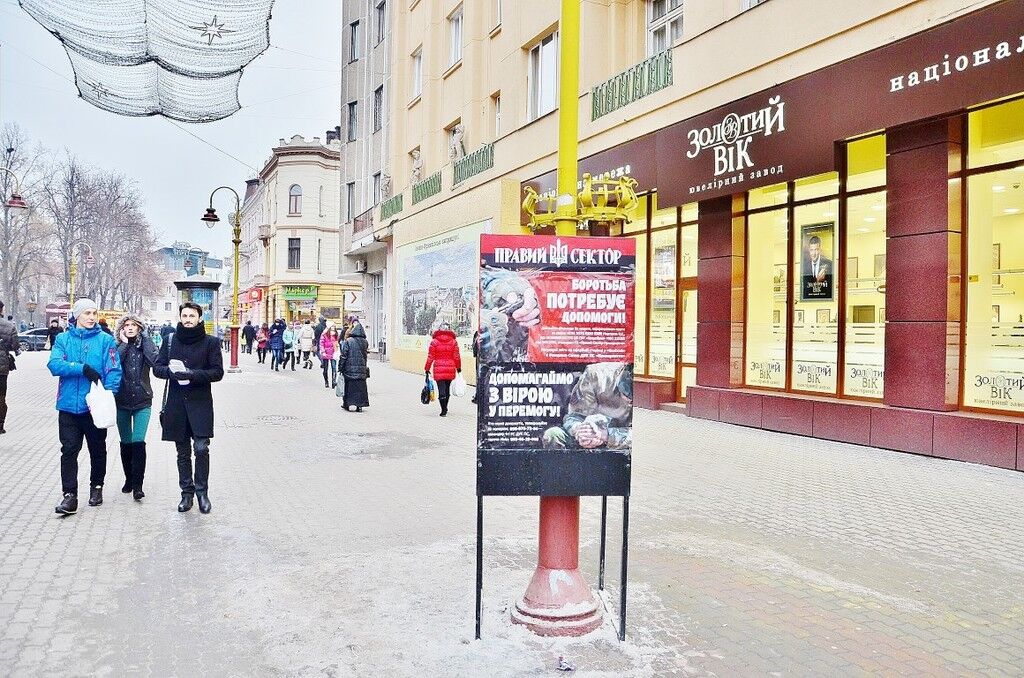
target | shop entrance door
x=686, y=337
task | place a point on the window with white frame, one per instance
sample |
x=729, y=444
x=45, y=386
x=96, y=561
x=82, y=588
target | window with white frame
x=382, y=18
x=295, y=200
x=350, y=201
x=320, y=205
x=352, y=120
x=376, y=188
x=294, y=253
x=417, y=72
x=543, y=77
x=353, y=41
x=664, y=24
x=455, y=36
x=378, y=108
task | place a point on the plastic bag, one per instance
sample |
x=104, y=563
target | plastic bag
x=101, y=406
x=459, y=386
x=339, y=388
x=425, y=393
x=433, y=389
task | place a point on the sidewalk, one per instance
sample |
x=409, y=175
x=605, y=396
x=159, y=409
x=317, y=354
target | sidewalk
x=342, y=544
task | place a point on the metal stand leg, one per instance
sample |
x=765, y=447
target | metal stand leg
x=479, y=560
x=625, y=551
x=604, y=525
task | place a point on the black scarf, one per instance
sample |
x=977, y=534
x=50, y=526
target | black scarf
x=190, y=335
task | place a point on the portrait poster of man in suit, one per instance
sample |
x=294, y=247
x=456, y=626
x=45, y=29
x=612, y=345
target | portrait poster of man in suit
x=817, y=267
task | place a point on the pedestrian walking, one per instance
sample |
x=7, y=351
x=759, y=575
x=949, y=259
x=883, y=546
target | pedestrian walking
x=262, y=341
x=138, y=354
x=307, y=341
x=82, y=356
x=443, y=355
x=318, y=331
x=52, y=332
x=353, y=368
x=190, y=362
x=8, y=345
x=328, y=350
x=277, y=344
x=291, y=346
x=248, y=336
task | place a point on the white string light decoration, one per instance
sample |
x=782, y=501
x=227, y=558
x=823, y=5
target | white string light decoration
x=182, y=59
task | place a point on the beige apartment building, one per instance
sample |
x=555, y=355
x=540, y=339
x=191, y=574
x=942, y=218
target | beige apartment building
x=786, y=150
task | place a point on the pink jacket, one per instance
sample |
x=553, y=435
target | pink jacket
x=328, y=346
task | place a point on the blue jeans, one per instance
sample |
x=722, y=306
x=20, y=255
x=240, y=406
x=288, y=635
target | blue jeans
x=132, y=426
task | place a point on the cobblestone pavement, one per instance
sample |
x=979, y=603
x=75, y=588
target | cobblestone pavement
x=342, y=545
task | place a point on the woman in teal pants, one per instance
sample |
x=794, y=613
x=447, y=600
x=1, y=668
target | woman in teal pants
x=134, y=399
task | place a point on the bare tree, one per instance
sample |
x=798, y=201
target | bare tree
x=25, y=237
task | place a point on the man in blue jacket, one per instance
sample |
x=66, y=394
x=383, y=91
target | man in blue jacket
x=81, y=356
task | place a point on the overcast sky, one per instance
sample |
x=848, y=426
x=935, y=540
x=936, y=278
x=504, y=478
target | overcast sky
x=282, y=93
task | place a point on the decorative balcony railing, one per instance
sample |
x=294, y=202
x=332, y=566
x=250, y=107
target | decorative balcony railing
x=426, y=188
x=391, y=207
x=647, y=77
x=476, y=162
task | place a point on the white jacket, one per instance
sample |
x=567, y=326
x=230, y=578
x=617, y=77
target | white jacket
x=306, y=337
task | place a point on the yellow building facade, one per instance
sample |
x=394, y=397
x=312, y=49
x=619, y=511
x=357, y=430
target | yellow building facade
x=788, y=152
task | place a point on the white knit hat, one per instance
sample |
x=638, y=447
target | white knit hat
x=82, y=305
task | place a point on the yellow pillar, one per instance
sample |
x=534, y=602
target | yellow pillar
x=568, y=117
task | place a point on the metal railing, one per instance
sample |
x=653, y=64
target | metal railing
x=476, y=162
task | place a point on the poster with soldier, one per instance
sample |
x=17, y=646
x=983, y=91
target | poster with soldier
x=555, y=391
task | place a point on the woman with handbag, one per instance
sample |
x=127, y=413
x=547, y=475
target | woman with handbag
x=443, y=355
x=262, y=339
x=134, y=399
x=352, y=365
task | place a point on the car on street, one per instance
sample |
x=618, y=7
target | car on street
x=33, y=340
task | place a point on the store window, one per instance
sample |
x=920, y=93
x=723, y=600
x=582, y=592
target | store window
x=767, y=279
x=811, y=245
x=816, y=250
x=662, y=346
x=994, y=325
x=636, y=226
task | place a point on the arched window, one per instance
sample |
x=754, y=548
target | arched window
x=295, y=199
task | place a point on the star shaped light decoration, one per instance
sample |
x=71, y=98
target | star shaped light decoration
x=98, y=89
x=211, y=30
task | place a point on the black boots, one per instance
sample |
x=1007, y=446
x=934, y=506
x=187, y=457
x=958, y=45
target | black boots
x=204, y=501
x=68, y=506
x=186, y=502
x=96, y=496
x=133, y=459
x=444, y=407
x=126, y=464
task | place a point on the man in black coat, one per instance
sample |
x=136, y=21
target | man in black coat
x=190, y=360
x=248, y=335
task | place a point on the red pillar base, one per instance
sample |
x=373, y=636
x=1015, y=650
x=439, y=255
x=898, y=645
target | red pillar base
x=558, y=601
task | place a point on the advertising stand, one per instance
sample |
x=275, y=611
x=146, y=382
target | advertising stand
x=555, y=378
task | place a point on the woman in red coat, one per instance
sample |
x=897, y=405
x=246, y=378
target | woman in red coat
x=443, y=354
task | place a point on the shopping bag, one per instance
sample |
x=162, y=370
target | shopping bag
x=433, y=389
x=101, y=406
x=459, y=386
x=339, y=388
x=425, y=393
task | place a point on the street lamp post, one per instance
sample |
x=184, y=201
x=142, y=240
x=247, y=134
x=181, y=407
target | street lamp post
x=211, y=218
x=31, y=307
x=15, y=202
x=73, y=268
